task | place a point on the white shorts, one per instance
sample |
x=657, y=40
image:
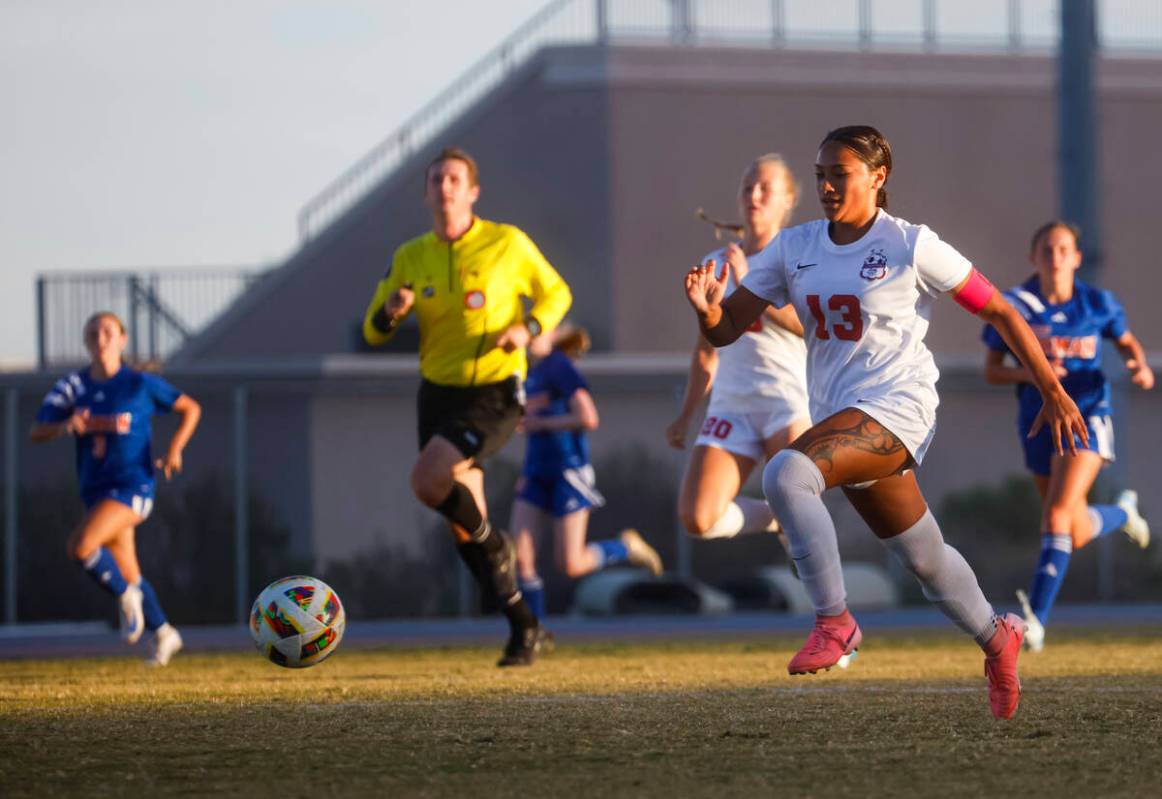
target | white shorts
x=743, y=432
x=909, y=411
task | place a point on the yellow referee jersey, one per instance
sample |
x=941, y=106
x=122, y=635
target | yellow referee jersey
x=467, y=293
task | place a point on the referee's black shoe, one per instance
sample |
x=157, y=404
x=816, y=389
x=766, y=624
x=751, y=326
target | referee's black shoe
x=524, y=646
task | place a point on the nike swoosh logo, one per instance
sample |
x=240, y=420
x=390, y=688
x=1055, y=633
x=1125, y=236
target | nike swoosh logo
x=803, y=266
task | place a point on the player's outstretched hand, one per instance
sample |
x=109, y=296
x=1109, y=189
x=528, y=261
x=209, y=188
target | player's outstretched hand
x=1060, y=414
x=705, y=288
x=676, y=432
x=514, y=338
x=1141, y=375
x=171, y=464
x=399, y=302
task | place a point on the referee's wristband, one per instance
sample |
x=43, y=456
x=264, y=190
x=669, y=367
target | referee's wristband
x=382, y=322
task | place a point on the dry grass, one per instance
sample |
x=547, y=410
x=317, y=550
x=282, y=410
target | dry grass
x=682, y=719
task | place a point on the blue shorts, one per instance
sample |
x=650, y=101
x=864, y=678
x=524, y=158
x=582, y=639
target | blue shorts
x=1039, y=450
x=138, y=497
x=561, y=492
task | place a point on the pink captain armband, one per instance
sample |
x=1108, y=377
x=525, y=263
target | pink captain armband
x=976, y=292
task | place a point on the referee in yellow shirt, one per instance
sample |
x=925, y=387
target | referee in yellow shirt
x=465, y=281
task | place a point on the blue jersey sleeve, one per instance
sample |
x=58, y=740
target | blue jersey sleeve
x=160, y=392
x=60, y=402
x=1115, y=326
x=566, y=379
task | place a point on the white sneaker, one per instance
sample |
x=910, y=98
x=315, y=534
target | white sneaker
x=1034, y=639
x=132, y=615
x=640, y=553
x=1136, y=527
x=166, y=643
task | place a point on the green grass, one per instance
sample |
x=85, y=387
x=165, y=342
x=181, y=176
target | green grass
x=910, y=717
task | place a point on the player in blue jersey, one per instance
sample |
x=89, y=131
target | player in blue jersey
x=557, y=480
x=107, y=408
x=1070, y=318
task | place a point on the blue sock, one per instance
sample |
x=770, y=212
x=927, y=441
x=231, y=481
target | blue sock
x=104, y=571
x=534, y=594
x=1107, y=519
x=154, y=615
x=1051, y=567
x=608, y=552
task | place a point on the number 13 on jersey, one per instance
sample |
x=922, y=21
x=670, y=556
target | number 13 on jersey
x=846, y=322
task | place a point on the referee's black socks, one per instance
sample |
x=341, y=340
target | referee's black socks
x=459, y=507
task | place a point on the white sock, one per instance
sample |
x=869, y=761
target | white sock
x=794, y=486
x=743, y=515
x=729, y=524
x=947, y=579
x=757, y=515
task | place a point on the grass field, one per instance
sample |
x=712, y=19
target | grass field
x=909, y=718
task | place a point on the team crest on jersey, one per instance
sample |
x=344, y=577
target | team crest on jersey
x=428, y=292
x=474, y=299
x=875, y=266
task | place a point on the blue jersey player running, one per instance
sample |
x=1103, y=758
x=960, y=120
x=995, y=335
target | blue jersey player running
x=557, y=480
x=107, y=407
x=1070, y=318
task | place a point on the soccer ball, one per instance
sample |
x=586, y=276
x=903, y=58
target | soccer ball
x=297, y=622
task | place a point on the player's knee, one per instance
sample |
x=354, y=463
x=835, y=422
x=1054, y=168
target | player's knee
x=697, y=519
x=429, y=486
x=791, y=473
x=575, y=568
x=78, y=550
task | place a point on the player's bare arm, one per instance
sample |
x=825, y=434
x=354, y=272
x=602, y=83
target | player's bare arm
x=582, y=415
x=721, y=321
x=75, y=425
x=785, y=318
x=1141, y=375
x=1058, y=412
x=999, y=373
x=190, y=412
x=703, y=367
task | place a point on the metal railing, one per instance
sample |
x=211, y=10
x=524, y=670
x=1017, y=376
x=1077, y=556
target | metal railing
x=1015, y=26
x=161, y=310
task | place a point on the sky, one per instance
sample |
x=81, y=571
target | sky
x=158, y=135
x=188, y=133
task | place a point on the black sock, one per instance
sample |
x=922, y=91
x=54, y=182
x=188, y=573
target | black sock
x=476, y=560
x=459, y=507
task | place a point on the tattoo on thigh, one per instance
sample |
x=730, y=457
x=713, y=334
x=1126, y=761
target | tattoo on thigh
x=866, y=435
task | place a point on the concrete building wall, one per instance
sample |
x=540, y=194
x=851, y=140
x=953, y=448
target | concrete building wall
x=974, y=146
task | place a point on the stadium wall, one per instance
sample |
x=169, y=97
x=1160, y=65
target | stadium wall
x=330, y=446
x=602, y=154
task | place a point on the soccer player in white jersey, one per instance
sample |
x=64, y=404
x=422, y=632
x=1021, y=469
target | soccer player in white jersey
x=863, y=283
x=757, y=385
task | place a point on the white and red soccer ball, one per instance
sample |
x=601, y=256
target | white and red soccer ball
x=297, y=622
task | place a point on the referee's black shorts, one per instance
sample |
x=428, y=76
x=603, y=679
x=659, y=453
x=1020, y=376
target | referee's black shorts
x=478, y=420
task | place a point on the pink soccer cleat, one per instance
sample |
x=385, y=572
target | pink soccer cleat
x=831, y=643
x=1001, y=668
